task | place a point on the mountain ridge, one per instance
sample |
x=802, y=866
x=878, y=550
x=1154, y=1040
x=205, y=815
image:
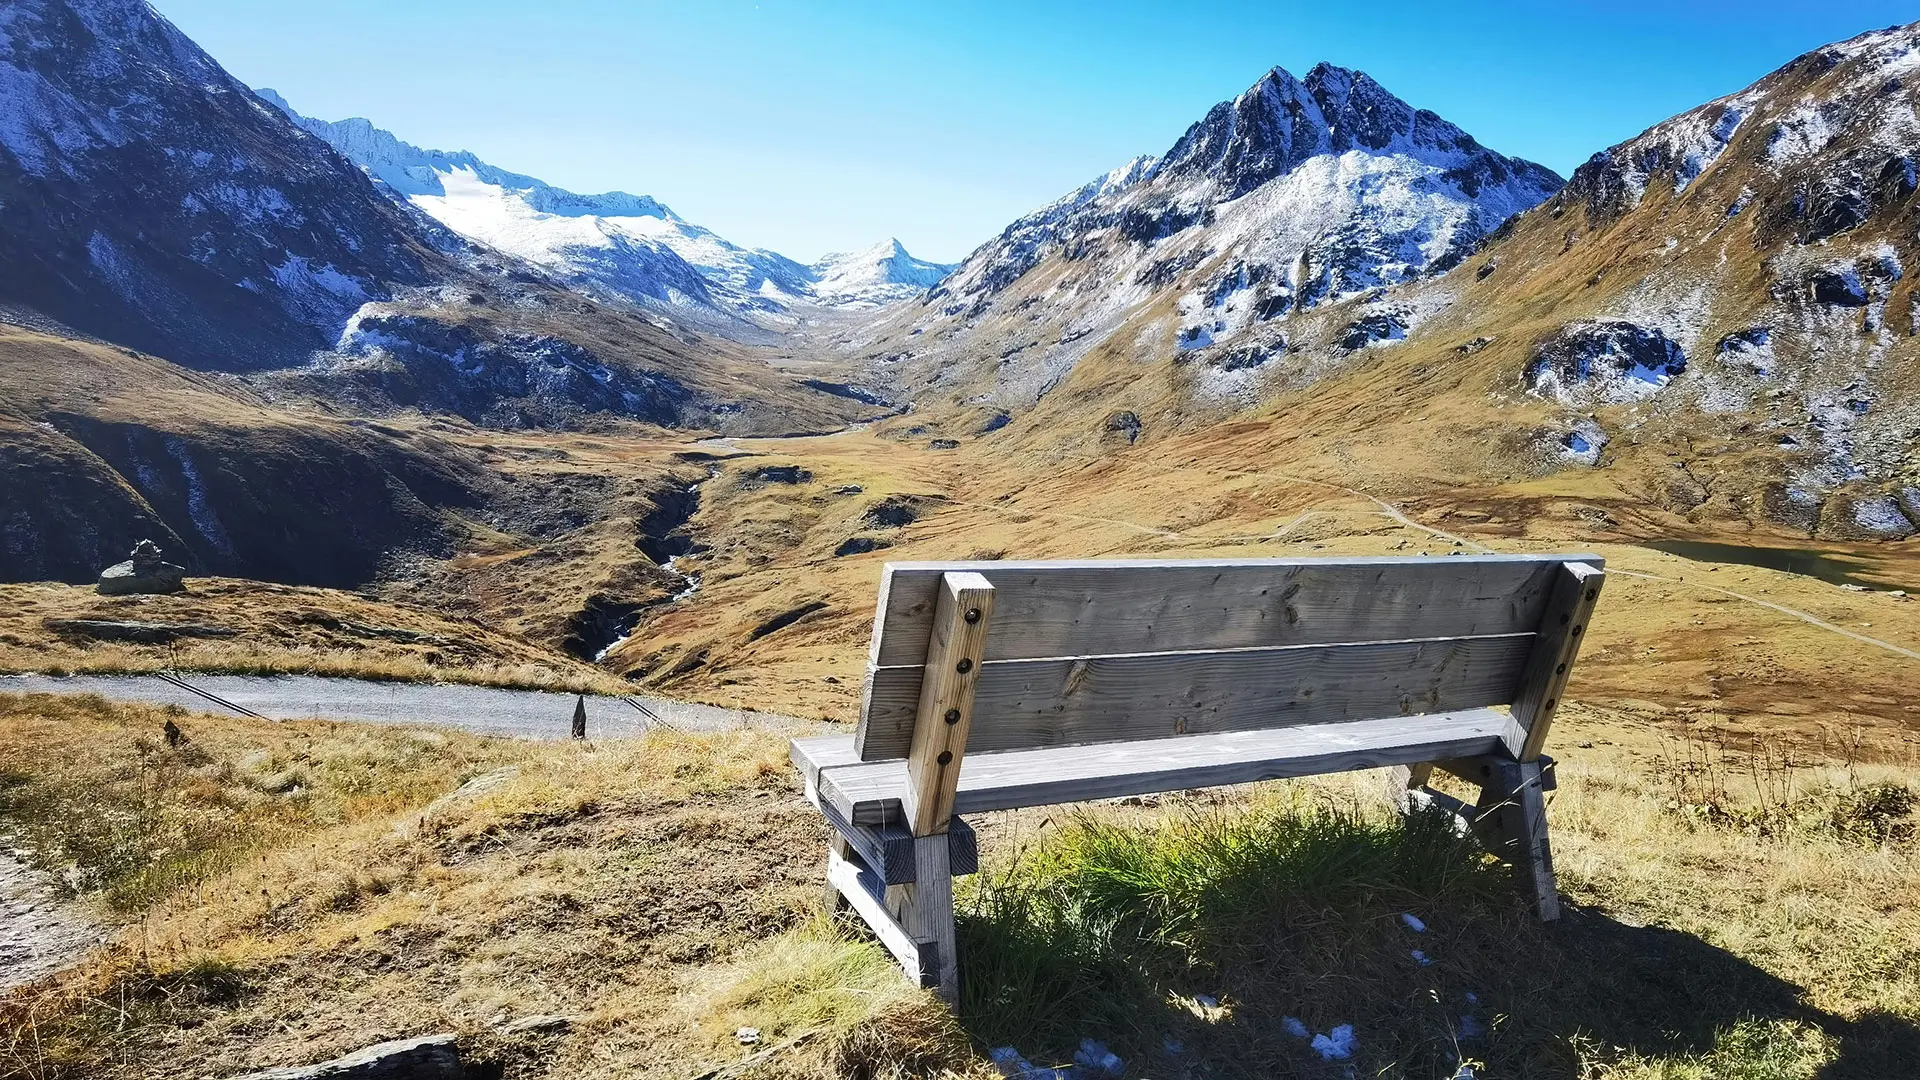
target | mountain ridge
x=1291, y=195
x=631, y=246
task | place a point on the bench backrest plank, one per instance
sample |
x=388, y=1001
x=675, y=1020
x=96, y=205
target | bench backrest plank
x=1119, y=650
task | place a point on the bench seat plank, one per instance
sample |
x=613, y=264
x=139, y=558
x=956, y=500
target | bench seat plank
x=1069, y=607
x=1025, y=704
x=869, y=793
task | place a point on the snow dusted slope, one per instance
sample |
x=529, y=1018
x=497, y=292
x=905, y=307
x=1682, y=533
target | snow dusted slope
x=632, y=246
x=1746, y=265
x=882, y=274
x=1294, y=195
x=148, y=198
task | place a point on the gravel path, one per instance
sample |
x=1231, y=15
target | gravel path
x=526, y=714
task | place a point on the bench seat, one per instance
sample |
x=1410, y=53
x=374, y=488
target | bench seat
x=870, y=793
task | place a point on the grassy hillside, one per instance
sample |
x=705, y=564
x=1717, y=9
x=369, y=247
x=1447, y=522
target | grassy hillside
x=293, y=891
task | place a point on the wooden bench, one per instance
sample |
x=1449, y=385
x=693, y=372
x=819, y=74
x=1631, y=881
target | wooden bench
x=1057, y=682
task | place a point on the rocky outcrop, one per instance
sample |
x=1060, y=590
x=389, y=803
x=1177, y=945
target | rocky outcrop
x=430, y=1057
x=143, y=633
x=1603, y=362
x=143, y=572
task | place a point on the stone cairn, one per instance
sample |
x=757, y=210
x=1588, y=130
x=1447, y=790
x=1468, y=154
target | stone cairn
x=144, y=572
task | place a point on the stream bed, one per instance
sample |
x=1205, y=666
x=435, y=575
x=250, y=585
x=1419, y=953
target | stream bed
x=1834, y=568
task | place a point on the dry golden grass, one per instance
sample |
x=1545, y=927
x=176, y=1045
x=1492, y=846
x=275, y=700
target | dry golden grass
x=665, y=892
x=281, y=630
x=1677, y=643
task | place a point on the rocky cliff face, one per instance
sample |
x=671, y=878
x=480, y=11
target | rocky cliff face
x=1295, y=194
x=148, y=198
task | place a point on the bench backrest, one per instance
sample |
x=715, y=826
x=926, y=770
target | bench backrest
x=1120, y=650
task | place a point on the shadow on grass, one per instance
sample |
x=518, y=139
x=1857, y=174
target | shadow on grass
x=1193, y=947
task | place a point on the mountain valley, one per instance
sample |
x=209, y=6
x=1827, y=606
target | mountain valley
x=407, y=416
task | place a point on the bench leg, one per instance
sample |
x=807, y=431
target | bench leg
x=924, y=910
x=1511, y=818
x=837, y=848
x=1404, y=784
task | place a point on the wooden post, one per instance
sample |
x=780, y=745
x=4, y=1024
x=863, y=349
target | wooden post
x=1569, y=609
x=1404, y=780
x=963, y=608
x=1511, y=819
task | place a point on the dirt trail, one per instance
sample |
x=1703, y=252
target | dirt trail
x=39, y=933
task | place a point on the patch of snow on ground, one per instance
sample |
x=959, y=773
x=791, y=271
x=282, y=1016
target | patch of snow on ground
x=1336, y=1045
x=1802, y=132
x=1881, y=516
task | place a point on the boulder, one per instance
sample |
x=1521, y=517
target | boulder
x=430, y=1057
x=144, y=572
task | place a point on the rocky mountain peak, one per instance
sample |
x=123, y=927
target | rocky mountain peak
x=1281, y=121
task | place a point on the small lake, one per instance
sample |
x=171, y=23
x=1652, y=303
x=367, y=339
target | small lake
x=1833, y=567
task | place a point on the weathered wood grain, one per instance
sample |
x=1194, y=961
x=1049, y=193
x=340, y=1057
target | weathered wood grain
x=924, y=910
x=1020, y=704
x=857, y=886
x=816, y=752
x=887, y=848
x=943, y=712
x=1082, y=608
x=870, y=793
x=1576, y=589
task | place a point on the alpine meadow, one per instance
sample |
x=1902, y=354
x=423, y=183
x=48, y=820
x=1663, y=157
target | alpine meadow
x=454, y=626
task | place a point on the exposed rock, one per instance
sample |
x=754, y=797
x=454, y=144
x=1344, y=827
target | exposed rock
x=893, y=513
x=1380, y=326
x=945, y=444
x=1594, y=362
x=860, y=545
x=145, y=633
x=538, y=1025
x=144, y=572
x=777, y=474
x=786, y=618
x=1126, y=424
x=430, y=1057
x=1251, y=356
x=994, y=423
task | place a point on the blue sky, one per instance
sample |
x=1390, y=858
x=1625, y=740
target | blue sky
x=811, y=127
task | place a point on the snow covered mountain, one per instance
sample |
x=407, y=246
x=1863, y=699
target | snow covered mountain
x=148, y=198
x=630, y=246
x=880, y=275
x=1293, y=195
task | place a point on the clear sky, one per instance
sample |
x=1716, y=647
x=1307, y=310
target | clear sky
x=832, y=124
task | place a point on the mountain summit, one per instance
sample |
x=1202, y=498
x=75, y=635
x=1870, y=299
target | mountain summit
x=1294, y=194
x=630, y=246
